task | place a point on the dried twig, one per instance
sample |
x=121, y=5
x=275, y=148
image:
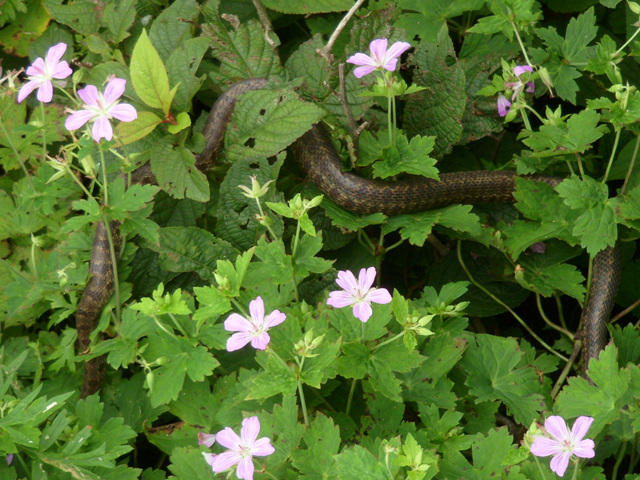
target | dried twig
x=326, y=51
x=266, y=23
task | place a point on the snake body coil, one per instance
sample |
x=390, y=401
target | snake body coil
x=318, y=159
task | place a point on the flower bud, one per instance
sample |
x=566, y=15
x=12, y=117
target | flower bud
x=634, y=7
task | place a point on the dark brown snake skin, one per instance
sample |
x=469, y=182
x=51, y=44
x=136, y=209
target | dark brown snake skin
x=318, y=159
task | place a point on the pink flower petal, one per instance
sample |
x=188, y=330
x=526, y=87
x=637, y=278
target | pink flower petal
x=531, y=87
x=557, y=427
x=261, y=341
x=207, y=439
x=250, y=430
x=45, y=92
x=89, y=95
x=543, y=447
x=256, y=309
x=228, y=439
x=262, y=447
x=362, y=311
x=26, y=89
x=78, y=119
x=362, y=71
x=37, y=68
x=245, y=469
x=340, y=299
x=520, y=69
x=114, y=90
x=378, y=295
x=378, y=49
x=391, y=64
x=560, y=462
x=347, y=281
x=102, y=129
x=55, y=53
x=238, y=340
x=398, y=49
x=581, y=427
x=224, y=461
x=504, y=105
x=124, y=112
x=61, y=70
x=237, y=323
x=275, y=318
x=584, y=449
x=366, y=278
x=208, y=457
x=362, y=59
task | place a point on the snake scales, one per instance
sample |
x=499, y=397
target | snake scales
x=321, y=164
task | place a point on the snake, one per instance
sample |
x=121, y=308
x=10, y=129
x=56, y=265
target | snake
x=321, y=164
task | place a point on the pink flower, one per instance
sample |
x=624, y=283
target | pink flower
x=241, y=449
x=100, y=108
x=564, y=443
x=517, y=87
x=380, y=57
x=504, y=105
x=41, y=72
x=358, y=293
x=207, y=439
x=252, y=329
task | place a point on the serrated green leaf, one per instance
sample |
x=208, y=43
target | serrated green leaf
x=490, y=452
x=323, y=441
x=119, y=18
x=175, y=172
x=426, y=18
x=173, y=26
x=149, y=76
x=319, y=6
x=408, y=157
x=129, y=132
x=358, y=462
x=81, y=16
x=438, y=110
x=546, y=280
x=182, y=66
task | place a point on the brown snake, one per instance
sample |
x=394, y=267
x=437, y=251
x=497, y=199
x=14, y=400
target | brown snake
x=318, y=159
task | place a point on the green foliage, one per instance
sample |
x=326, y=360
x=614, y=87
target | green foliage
x=424, y=388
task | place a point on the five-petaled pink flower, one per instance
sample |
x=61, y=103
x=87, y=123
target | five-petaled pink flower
x=564, y=443
x=358, y=293
x=99, y=108
x=41, y=72
x=241, y=449
x=252, y=329
x=380, y=57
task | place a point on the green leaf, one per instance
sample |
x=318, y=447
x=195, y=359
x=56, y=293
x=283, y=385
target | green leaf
x=490, y=453
x=119, y=18
x=187, y=463
x=191, y=249
x=268, y=120
x=547, y=279
x=149, y=76
x=494, y=372
x=176, y=174
x=358, y=462
x=602, y=400
x=212, y=304
x=182, y=66
x=129, y=132
x=81, y=16
x=274, y=380
x=352, y=222
x=438, y=110
x=319, y=6
x=393, y=357
x=173, y=26
x=596, y=225
x=426, y=18
x=183, y=120
x=322, y=440
x=275, y=266
x=408, y=157
x=305, y=260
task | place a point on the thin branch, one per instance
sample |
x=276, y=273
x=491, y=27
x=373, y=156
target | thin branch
x=265, y=21
x=326, y=51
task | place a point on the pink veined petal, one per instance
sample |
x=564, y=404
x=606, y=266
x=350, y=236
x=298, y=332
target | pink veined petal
x=207, y=439
x=238, y=340
x=347, y=281
x=543, y=447
x=55, y=53
x=237, y=323
x=340, y=299
x=208, y=457
x=114, y=90
x=584, y=449
x=228, y=439
x=275, y=318
x=256, y=309
x=378, y=50
x=397, y=49
x=89, y=95
x=262, y=447
x=531, y=87
x=580, y=428
x=560, y=462
x=391, y=64
x=250, y=430
x=78, y=119
x=366, y=277
x=557, y=427
x=224, y=461
x=378, y=295
x=504, y=105
x=362, y=311
x=102, y=129
x=61, y=70
x=45, y=92
x=37, y=68
x=123, y=112
x=362, y=59
x=261, y=341
x=520, y=69
x=245, y=469
x=26, y=89
x=362, y=71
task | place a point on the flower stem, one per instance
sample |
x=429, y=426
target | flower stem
x=303, y=404
x=549, y=322
x=114, y=265
x=631, y=164
x=524, y=51
x=505, y=306
x=620, y=456
x=575, y=471
x=44, y=132
x=178, y=326
x=613, y=153
x=17, y=155
x=350, y=399
x=239, y=307
x=389, y=340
